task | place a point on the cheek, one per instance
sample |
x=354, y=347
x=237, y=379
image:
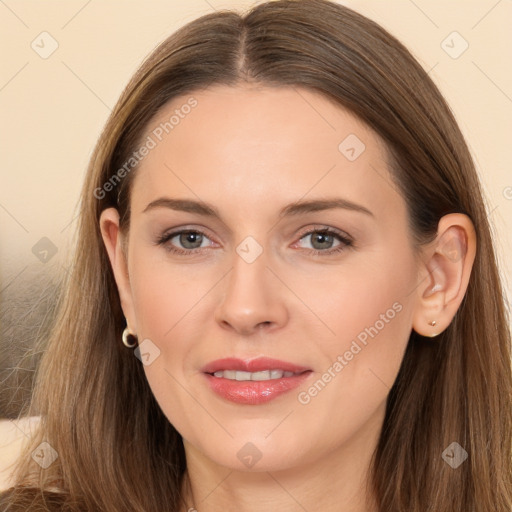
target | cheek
x=164, y=293
x=368, y=298
x=166, y=298
x=349, y=393
x=367, y=320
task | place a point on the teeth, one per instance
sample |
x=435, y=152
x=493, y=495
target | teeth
x=263, y=375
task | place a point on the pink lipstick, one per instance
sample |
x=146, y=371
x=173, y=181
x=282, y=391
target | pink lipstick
x=253, y=382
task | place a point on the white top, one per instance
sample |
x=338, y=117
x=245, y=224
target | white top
x=13, y=435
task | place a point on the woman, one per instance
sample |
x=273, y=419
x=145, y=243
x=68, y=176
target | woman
x=284, y=293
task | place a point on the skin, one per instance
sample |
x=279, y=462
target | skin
x=249, y=151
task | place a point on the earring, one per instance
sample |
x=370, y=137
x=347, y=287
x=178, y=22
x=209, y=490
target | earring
x=127, y=335
x=434, y=334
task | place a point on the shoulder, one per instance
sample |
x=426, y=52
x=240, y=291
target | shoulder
x=13, y=436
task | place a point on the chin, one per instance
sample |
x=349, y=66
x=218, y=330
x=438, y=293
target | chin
x=256, y=454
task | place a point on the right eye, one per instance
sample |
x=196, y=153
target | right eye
x=189, y=239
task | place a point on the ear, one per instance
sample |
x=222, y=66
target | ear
x=114, y=243
x=444, y=274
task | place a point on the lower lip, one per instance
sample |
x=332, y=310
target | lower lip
x=254, y=392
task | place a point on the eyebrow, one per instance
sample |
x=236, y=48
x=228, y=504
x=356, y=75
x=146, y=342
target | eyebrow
x=293, y=209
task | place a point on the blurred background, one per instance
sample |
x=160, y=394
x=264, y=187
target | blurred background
x=64, y=65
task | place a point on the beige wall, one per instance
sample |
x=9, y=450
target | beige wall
x=52, y=109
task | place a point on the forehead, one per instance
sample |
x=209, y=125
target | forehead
x=248, y=146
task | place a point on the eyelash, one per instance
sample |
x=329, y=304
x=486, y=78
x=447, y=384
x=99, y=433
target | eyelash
x=345, y=242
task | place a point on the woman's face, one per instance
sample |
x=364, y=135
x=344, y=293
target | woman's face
x=256, y=176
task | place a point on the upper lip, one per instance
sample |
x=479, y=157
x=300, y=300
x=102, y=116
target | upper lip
x=254, y=365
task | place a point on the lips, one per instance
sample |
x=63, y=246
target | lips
x=253, y=392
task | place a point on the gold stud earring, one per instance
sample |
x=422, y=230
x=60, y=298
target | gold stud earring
x=434, y=334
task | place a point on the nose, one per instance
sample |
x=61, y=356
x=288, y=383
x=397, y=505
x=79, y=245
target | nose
x=253, y=299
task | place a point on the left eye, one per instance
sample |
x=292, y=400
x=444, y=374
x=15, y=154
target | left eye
x=322, y=240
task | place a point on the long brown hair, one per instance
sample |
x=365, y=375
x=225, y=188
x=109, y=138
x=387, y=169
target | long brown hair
x=116, y=450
